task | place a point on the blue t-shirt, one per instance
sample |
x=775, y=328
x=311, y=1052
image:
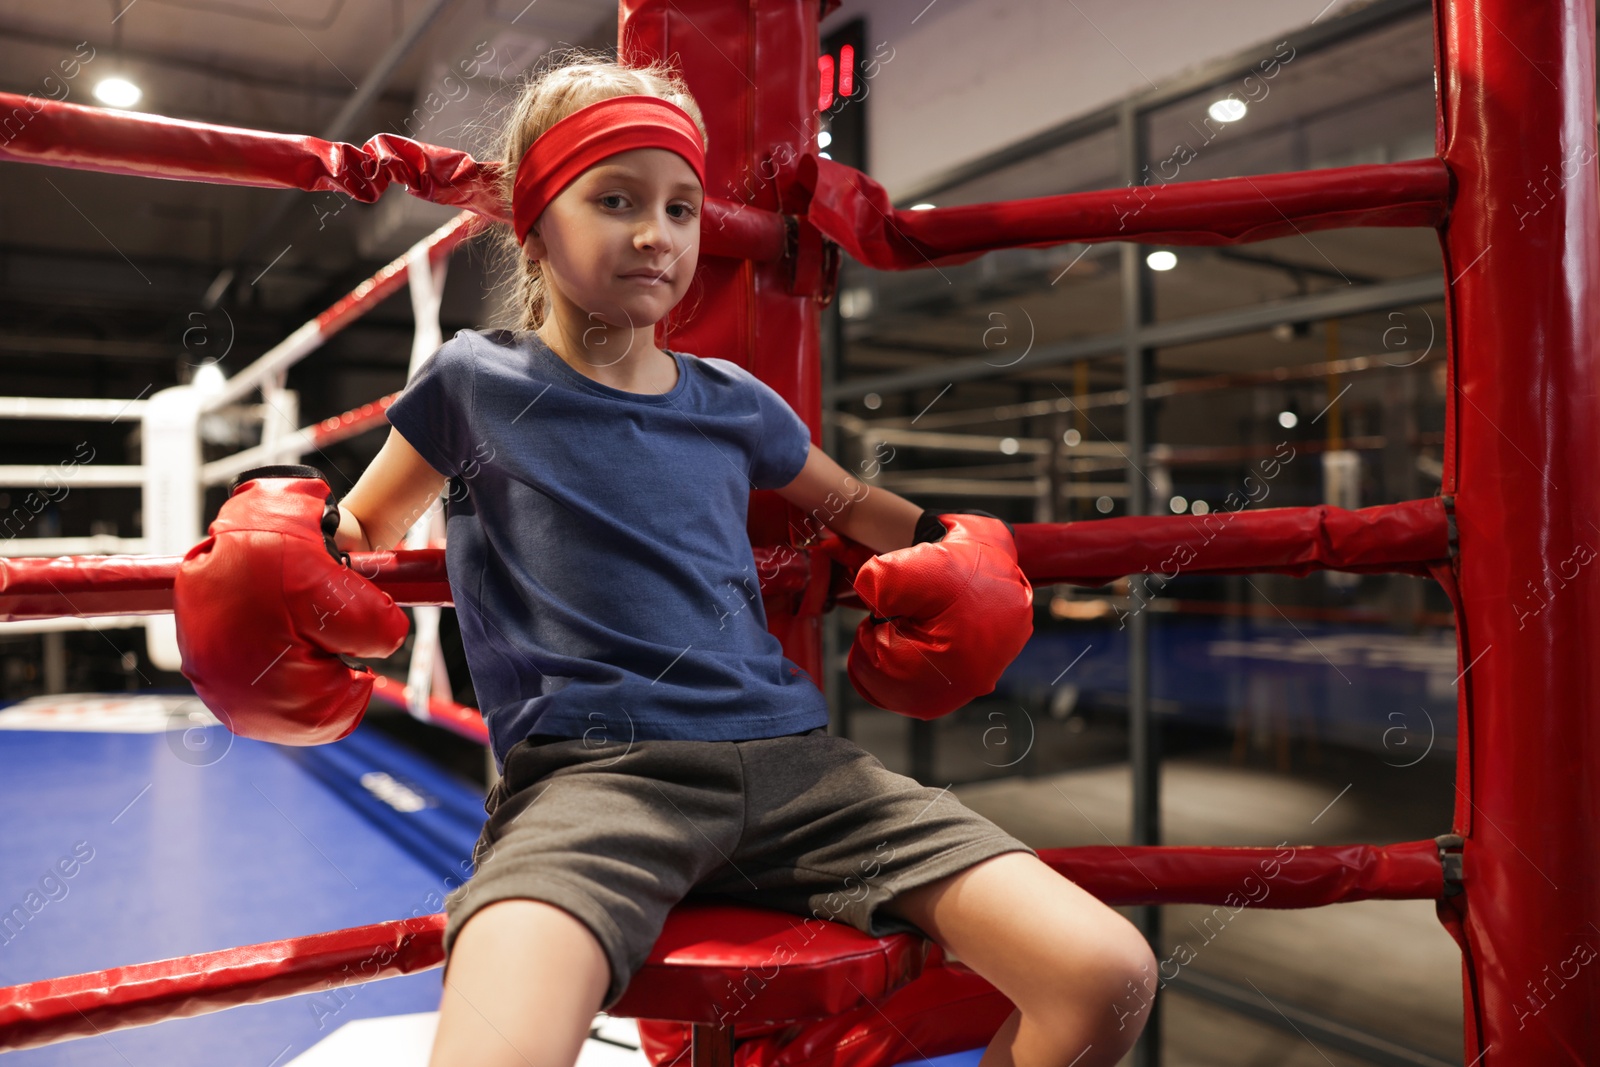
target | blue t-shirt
x=598, y=556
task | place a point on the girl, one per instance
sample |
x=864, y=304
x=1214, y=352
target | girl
x=652, y=739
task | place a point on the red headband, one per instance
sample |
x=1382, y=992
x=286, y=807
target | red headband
x=617, y=124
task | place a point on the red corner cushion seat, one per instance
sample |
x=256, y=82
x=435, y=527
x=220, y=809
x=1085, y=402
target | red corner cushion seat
x=715, y=962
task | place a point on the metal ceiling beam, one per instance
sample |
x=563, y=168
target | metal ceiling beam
x=1329, y=304
x=272, y=222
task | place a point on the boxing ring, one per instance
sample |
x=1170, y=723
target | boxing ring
x=1515, y=879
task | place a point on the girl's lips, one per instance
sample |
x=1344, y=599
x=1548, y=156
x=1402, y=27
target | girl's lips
x=647, y=279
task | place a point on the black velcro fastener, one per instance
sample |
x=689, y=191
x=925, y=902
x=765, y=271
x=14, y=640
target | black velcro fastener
x=330, y=527
x=929, y=528
x=281, y=470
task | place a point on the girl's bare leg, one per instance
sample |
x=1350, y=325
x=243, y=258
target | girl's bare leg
x=524, y=983
x=1081, y=976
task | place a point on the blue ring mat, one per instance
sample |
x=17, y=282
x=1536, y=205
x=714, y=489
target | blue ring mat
x=197, y=841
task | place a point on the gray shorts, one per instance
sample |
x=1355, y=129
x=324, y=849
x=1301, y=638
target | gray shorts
x=617, y=834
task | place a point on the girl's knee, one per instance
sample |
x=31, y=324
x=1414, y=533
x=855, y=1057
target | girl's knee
x=1130, y=981
x=1101, y=992
x=1122, y=984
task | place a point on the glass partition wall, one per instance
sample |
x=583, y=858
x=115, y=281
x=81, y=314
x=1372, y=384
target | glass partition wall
x=1081, y=382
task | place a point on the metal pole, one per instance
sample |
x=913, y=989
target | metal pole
x=831, y=354
x=1143, y=754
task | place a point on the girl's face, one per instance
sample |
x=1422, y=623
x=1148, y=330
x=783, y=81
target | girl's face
x=620, y=244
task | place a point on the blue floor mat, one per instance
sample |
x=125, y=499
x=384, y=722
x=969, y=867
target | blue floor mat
x=181, y=842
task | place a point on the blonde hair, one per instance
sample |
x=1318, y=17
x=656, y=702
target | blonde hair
x=575, y=79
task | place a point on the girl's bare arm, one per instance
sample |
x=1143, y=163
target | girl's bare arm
x=832, y=497
x=394, y=492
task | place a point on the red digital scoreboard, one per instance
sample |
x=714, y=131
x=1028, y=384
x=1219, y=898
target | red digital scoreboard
x=838, y=76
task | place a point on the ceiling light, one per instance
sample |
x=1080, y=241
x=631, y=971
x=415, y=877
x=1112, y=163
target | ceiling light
x=872, y=401
x=1228, y=109
x=1199, y=507
x=855, y=302
x=1104, y=505
x=924, y=206
x=1178, y=505
x=117, y=92
x=1162, y=260
x=824, y=139
x=1072, y=438
x=1288, y=420
x=1009, y=446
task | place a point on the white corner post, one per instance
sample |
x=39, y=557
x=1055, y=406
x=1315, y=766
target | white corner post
x=426, y=675
x=170, y=459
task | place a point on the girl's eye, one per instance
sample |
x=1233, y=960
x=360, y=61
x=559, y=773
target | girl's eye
x=685, y=211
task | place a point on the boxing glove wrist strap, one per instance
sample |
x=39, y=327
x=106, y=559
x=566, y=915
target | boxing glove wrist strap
x=277, y=470
x=929, y=528
x=330, y=510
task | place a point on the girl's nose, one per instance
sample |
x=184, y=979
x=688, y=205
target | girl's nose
x=652, y=235
x=654, y=232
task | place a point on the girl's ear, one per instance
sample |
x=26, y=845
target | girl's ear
x=532, y=245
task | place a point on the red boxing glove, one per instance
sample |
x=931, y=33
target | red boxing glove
x=948, y=616
x=266, y=605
